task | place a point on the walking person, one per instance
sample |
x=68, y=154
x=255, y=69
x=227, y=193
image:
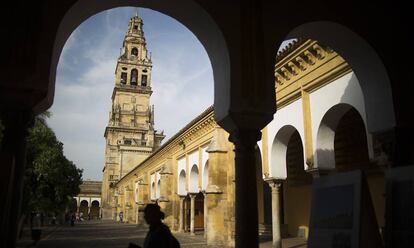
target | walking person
x=72, y=219
x=159, y=235
x=121, y=216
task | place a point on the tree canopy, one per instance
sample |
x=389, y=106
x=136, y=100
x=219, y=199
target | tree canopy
x=51, y=180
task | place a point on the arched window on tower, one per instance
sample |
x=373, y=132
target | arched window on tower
x=134, y=76
x=123, y=77
x=134, y=51
x=144, y=80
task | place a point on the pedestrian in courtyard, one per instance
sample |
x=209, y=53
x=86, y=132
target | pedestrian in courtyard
x=121, y=216
x=72, y=219
x=159, y=235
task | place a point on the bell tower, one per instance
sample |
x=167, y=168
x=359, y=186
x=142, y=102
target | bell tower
x=130, y=134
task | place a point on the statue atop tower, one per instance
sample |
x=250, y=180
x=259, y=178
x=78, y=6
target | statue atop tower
x=130, y=134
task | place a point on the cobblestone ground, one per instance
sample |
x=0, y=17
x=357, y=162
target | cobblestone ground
x=102, y=234
x=108, y=234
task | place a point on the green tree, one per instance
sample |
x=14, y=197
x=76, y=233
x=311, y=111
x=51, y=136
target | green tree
x=51, y=180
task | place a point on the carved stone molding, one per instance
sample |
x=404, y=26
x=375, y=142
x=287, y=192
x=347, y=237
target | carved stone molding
x=213, y=189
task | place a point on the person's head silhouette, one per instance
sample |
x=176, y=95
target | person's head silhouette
x=153, y=214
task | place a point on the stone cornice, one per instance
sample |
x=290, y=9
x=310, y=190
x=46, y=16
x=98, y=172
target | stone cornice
x=307, y=66
x=133, y=89
x=124, y=129
x=288, y=49
x=136, y=151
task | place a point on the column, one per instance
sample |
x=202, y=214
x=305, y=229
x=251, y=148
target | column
x=218, y=230
x=192, y=198
x=246, y=189
x=275, y=186
x=185, y=217
x=136, y=213
x=141, y=219
x=181, y=217
x=205, y=214
x=13, y=162
x=89, y=208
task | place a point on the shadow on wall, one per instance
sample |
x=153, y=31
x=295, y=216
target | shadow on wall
x=380, y=143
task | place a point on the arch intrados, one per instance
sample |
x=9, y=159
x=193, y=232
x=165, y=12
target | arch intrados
x=205, y=175
x=279, y=150
x=194, y=169
x=194, y=179
x=182, y=174
x=325, y=139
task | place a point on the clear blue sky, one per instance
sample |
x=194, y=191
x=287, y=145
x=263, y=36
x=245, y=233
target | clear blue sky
x=182, y=81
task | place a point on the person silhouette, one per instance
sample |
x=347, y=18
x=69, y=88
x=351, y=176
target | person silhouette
x=159, y=235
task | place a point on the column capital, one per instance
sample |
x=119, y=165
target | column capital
x=272, y=181
x=245, y=139
x=192, y=195
x=218, y=143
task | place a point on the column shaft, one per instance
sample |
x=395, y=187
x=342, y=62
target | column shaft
x=13, y=162
x=246, y=189
x=277, y=239
x=136, y=214
x=192, y=197
x=181, y=217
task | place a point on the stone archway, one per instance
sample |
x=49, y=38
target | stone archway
x=95, y=210
x=158, y=190
x=193, y=185
x=83, y=209
x=205, y=176
x=343, y=116
x=181, y=183
x=293, y=182
x=342, y=146
x=296, y=191
x=350, y=142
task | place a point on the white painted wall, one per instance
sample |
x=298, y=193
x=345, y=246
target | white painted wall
x=193, y=159
x=343, y=90
x=181, y=183
x=181, y=165
x=157, y=185
x=289, y=115
x=204, y=158
x=193, y=185
x=152, y=186
x=136, y=191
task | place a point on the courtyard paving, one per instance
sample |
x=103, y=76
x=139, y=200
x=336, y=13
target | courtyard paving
x=109, y=234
